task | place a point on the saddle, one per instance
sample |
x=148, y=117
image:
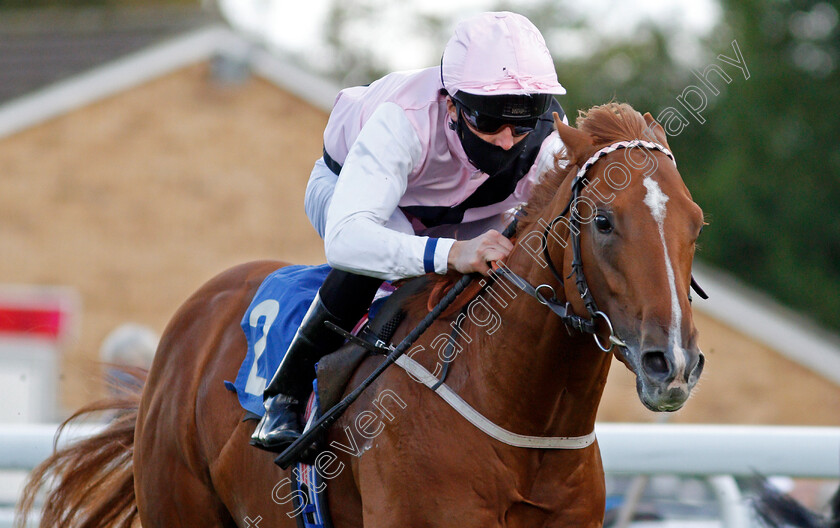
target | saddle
x=336, y=369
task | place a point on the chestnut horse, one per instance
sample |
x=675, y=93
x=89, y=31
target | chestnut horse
x=179, y=456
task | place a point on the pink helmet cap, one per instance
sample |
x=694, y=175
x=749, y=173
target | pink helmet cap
x=498, y=53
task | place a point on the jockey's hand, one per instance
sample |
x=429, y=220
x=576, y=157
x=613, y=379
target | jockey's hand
x=467, y=256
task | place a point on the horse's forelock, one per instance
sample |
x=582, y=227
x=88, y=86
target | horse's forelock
x=613, y=122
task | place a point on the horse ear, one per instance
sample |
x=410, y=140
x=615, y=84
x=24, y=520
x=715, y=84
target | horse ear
x=578, y=144
x=656, y=129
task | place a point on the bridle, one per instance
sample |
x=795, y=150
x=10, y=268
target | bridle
x=564, y=311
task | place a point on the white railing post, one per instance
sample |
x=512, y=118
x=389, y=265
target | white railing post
x=733, y=508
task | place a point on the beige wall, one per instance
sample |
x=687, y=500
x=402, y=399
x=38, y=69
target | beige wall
x=137, y=200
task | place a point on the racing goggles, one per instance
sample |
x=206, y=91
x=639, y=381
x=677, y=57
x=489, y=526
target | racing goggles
x=489, y=113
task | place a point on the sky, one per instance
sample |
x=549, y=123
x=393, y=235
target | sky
x=295, y=27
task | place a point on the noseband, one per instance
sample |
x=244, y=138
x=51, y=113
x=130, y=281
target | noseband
x=564, y=311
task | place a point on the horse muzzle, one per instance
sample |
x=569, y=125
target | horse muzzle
x=665, y=377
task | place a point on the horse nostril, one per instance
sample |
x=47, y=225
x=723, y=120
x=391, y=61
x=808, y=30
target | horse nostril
x=655, y=365
x=696, y=368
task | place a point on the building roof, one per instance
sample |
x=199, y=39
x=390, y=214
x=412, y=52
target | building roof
x=210, y=42
x=39, y=47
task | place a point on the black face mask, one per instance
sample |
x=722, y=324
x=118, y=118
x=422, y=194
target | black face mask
x=486, y=157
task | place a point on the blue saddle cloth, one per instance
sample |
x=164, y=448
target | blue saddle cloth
x=270, y=324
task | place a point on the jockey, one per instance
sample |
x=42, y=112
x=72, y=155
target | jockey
x=420, y=171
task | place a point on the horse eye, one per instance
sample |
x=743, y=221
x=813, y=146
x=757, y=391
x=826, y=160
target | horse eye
x=603, y=224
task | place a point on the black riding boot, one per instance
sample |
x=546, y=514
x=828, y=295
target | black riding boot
x=292, y=383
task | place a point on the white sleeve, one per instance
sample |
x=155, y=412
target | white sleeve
x=372, y=182
x=319, y=191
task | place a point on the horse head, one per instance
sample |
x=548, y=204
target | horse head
x=620, y=233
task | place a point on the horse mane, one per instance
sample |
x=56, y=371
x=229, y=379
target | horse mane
x=606, y=124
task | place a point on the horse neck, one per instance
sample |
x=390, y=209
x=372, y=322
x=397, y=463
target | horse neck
x=531, y=375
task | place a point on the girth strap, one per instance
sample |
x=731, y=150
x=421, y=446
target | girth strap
x=419, y=373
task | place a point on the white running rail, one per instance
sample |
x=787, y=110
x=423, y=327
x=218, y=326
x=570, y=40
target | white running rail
x=715, y=452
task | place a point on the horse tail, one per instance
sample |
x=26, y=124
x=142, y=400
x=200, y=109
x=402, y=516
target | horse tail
x=91, y=482
x=777, y=509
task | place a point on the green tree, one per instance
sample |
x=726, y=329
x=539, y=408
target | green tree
x=766, y=167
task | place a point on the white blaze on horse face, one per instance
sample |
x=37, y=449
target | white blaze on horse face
x=655, y=199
